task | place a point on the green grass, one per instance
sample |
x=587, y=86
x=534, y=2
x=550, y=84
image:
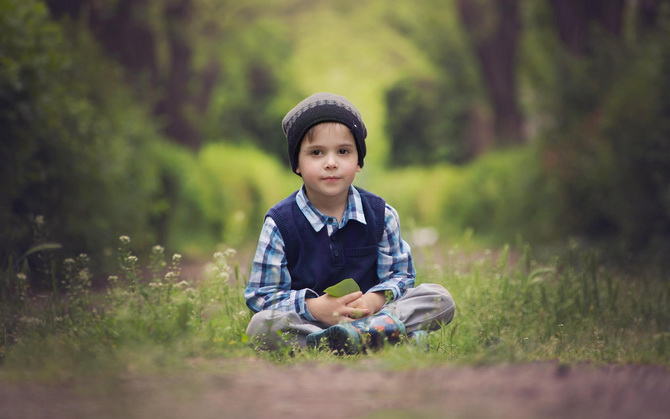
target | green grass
x=571, y=308
x=510, y=308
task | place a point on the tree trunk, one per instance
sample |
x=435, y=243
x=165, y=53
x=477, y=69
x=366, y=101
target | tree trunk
x=575, y=17
x=494, y=27
x=173, y=104
x=647, y=14
x=134, y=44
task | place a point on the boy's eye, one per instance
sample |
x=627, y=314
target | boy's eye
x=316, y=152
x=344, y=151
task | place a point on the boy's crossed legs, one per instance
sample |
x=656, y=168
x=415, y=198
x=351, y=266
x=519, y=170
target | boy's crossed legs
x=425, y=307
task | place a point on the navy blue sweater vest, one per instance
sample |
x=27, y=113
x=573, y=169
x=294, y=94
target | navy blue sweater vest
x=317, y=261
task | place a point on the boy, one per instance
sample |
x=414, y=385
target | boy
x=330, y=230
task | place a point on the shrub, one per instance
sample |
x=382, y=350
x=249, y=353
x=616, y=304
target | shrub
x=76, y=148
x=501, y=196
x=237, y=185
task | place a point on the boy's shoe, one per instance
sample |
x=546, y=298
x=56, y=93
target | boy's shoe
x=341, y=338
x=350, y=338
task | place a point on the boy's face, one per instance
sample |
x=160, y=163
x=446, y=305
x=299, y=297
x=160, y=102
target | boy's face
x=329, y=162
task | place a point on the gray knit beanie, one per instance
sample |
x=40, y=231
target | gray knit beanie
x=322, y=107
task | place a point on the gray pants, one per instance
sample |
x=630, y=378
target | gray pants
x=426, y=307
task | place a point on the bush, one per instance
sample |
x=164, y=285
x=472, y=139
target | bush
x=501, y=196
x=426, y=124
x=608, y=157
x=236, y=187
x=76, y=149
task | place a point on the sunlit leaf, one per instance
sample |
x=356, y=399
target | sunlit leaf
x=344, y=287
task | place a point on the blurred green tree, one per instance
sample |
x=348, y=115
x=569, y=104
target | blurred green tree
x=151, y=40
x=209, y=68
x=606, y=150
x=76, y=149
x=436, y=118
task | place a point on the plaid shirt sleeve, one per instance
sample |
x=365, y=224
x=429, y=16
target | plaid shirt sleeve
x=269, y=286
x=395, y=267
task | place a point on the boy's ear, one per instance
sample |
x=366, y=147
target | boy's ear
x=358, y=168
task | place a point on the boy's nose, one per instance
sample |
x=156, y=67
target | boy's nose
x=331, y=162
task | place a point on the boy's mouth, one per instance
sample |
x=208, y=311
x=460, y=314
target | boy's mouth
x=331, y=178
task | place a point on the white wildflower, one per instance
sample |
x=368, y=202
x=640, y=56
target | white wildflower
x=84, y=274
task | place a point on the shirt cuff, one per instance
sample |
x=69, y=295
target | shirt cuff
x=397, y=293
x=307, y=293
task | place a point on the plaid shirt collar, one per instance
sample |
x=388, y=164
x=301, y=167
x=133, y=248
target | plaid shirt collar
x=353, y=210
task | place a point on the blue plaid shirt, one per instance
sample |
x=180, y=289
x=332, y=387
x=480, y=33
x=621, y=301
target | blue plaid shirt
x=269, y=286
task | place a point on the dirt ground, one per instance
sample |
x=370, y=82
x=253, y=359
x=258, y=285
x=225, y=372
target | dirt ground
x=254, y=388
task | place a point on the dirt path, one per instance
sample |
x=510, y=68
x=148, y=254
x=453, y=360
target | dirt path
x=251, y=388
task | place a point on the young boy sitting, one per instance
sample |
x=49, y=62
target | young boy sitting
x=328, y=231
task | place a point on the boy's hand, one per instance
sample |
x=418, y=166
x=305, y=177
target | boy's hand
x=331, y=310
x=371, y=302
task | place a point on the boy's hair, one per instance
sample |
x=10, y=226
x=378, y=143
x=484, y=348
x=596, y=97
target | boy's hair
x=318, y=108
x=311, y=132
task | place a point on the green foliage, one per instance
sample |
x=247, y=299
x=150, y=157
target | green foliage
x=489, y=197
x=604, y=151
x=426, y=123
x=245, y=112
x=428, y=117
x=245, y=101
x=79, y=145
x=180, y=218
x=236, y=185
x=496, y=187
x=218, y=195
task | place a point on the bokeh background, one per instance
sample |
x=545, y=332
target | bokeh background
x=506, y=121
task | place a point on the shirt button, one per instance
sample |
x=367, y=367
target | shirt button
x=336, y=253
